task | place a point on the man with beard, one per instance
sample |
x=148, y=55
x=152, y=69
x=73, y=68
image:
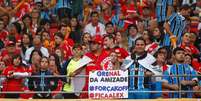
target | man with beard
x=173, y=80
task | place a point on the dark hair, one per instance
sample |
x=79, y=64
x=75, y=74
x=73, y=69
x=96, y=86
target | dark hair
x=30, y=38
x=110, y=36
x=26, y=16
x=177, y=49
x=109, y=23
x=57, y=62
x=62, y=26
x=184, y=7
x=77, y=45
x=140, y=38
x=132, y=25
x=59, y=34
x=17, y=26
x=15, y=56
x=38, y=51
x=94, y=12
x=44, y=21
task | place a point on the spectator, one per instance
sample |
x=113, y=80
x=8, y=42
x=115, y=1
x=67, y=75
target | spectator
x=174, y=33
x=3, y=32
x=37, y=45
x=33, y=61
x=141, y=83
x=73, y=70
x=41, y=82
x=26, y=44
x=95, y=27
x=163, y=10
x=121, y=40
x=132, y=35
x=75, y=33
x=97, y=62
x=187, y=45
x=179, y=83
x=109, y=28
x=14, y=74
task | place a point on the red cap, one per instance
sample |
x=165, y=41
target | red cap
x=122, y=53
x=10, y=43
x=97, y=39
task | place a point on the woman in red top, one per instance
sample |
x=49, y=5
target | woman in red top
x=14, y=77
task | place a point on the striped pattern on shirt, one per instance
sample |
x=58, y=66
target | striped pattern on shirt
x=161, y=9
x=177, y=25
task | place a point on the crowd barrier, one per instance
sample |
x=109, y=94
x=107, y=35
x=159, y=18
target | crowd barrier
x=83, y=76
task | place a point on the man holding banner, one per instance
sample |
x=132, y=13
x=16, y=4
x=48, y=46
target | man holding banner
x=139, y=70
x=97, y=60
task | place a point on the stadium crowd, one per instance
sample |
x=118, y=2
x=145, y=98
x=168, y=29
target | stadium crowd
x=42, y=43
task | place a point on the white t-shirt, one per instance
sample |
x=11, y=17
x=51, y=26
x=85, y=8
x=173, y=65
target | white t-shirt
x=28, y=52
x=92, y=29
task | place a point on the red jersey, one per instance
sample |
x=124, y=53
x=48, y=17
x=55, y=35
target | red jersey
x=8, y=58
x=13, y=84
x=67, y=48
x=96, y=64
x=3, y=35
x=191, y=48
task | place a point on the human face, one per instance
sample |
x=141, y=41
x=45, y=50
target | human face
x=107, y=42
x=114, y=57
x=186, y=38
x=46, y=36
x=160, y=57
x=27, y=21
x=35, y=58
x=11, y=48
x=94, y=46
x=132, y=31
x=156, y=33
x=77, y=52
x=186, y=13
x=73, y=22
x=63, y=30
x=58, y=40
x=47, y=26
x=37, y=40
x=118, y=37
x=94, y=19
x=179, y=56
x=16, y=61
x=44, y=63
x=25, y=39
x=192, y=37
x=109, y=29
x=86, y=38
x=139, y=47
x=187, y=59
x=58, y=52
x=52, y=60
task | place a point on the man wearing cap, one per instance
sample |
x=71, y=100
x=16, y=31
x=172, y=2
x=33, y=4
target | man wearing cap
x=8, y=52
x=98, y=62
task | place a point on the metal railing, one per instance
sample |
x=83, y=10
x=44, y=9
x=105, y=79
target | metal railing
x=83, y=76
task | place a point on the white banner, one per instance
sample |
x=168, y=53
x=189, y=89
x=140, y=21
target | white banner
x=108, y=84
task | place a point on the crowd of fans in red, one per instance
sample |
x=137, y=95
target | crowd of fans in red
x=41, y=37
